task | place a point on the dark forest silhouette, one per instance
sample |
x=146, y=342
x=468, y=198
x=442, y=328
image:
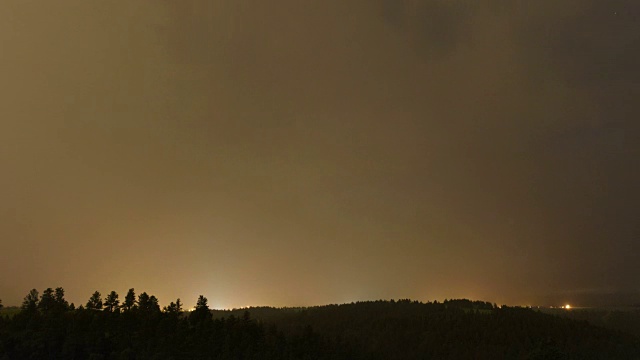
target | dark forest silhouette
x=48, y=327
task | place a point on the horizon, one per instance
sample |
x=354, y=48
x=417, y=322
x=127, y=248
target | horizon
x=597, y=300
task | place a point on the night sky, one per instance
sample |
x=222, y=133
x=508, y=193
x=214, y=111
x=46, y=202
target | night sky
x=309, y=152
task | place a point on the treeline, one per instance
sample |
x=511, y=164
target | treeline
x=627, y=320
x=454, y=329
x=48, y=327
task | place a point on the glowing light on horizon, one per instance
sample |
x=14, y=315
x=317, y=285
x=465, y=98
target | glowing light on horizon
x=567, y=306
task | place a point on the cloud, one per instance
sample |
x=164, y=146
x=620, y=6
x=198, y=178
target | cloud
x=434, y=28
x=365, y=140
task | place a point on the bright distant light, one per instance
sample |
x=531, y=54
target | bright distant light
x=567, y=306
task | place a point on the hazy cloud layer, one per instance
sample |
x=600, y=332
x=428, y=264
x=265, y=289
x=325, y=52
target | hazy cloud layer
x=320, y=151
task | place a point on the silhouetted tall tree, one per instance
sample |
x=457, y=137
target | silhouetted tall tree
x=143, y=301
x=154, y=305
x=30, y=303
x=60, y=303
x=202, y=303
x=201, y=311
x=95, y=301
x=174, y=308
x=111, y=302
x=129, y=300
x=47, y=301
x=148, y=304
x=1, y=306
